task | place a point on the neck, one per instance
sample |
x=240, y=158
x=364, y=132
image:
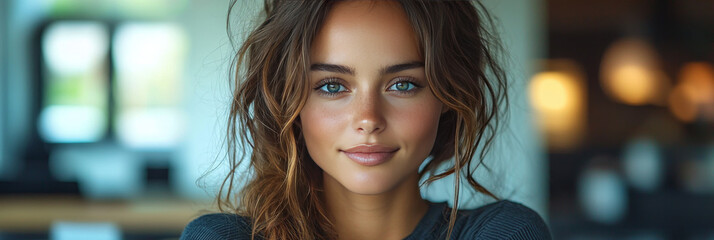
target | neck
x=390, y=215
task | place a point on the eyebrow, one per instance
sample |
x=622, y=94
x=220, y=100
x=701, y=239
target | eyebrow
x=348, y=70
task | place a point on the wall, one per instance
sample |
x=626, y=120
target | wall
x=4, y=5
x=22, y=16
x=207, y=93
x=524, y=158
x=518, y=160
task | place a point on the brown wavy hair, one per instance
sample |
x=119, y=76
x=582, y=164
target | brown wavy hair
x=282, y=193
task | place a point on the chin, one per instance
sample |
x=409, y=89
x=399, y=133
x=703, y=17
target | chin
x=368, y=190
x=367, y=183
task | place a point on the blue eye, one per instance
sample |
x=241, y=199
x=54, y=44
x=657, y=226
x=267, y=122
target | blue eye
x=332, y=88
x=402, y=86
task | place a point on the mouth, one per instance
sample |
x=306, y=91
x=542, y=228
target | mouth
x=370, y=155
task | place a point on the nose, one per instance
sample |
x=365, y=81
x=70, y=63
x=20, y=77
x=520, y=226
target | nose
x=368, y=114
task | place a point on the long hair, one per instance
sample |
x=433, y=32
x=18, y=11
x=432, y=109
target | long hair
x=283, y=193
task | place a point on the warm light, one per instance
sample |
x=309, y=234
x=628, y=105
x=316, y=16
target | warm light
x=552, y=91
x=694, y=94
x=634, y=84
x=683, y=104
x=662, y=89
x=558, y=98
x=698, y=77
x=630, y=73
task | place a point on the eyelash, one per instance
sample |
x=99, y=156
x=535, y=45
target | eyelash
x=334, y=80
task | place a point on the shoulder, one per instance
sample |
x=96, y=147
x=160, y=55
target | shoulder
x=502, y=220
x=217, y=226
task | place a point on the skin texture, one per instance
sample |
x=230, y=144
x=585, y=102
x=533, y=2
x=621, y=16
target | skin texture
x=381, y=201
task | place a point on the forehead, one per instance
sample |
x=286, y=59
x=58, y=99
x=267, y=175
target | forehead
x=365, y=31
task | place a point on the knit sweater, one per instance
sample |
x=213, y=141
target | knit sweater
x=499, y=220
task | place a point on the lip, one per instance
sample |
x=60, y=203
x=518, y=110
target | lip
x=370, y=154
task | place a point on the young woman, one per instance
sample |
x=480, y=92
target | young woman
x=341, y=102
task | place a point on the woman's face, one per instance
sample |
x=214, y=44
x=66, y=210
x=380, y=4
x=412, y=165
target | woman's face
x=370, y=119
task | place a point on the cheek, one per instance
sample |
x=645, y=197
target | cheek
x=417, y=124
x=321, y=127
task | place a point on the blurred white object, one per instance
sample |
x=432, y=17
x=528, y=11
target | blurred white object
x=71, y=123
x=603, y=195
x=75, y=82
x=149, y=61
x=74, y=47
x=102, y=171
x=152, y=128
x=642, y=162
x=84, y=231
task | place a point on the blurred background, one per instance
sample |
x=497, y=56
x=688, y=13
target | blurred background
x=625, y=97
x=111, y=111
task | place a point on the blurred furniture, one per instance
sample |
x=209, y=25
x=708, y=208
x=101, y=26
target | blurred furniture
x=158, y=216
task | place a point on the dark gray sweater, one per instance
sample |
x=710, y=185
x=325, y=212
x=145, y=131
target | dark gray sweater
x=499, y=220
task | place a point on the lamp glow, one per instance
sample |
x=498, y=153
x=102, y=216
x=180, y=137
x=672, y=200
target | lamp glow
x=630, y=73
x=558, y=98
